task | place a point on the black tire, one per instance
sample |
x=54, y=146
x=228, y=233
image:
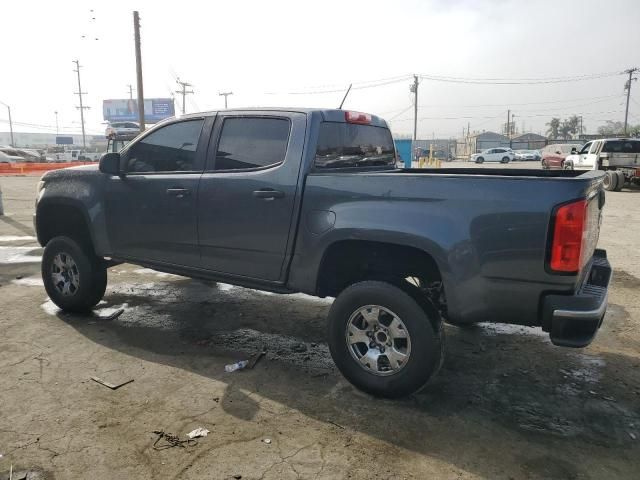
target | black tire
x=480, y=160
x=425, y=338
x=505, y=160
x=89, y=270
x=544, y=165
x=621, y=180
x=567, y=166
x=610, y=182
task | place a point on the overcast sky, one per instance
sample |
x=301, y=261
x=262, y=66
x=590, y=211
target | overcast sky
x=275, y=53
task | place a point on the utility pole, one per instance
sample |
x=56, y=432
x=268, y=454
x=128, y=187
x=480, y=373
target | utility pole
x=414, y=89
x=581, y=125
x=184, y=92
x=81, y=107
x=508, y=129
x=226, y=94
x=130, y=91
x=57, y=129
x=10, y=123
x=627, y=87
x=136, y=34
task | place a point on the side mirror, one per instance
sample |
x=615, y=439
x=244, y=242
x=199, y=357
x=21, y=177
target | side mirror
x=558, y=152
x=110, y=163
x=574, y=150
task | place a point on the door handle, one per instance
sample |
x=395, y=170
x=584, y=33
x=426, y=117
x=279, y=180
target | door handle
x=268, y=194
x=179, y=192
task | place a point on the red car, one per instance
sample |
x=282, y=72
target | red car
x=553, y=155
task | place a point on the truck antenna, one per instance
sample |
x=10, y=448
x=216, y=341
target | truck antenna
x=345, y=96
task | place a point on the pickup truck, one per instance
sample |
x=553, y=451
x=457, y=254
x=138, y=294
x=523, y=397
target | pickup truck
x=311, y=200
x=619, y=158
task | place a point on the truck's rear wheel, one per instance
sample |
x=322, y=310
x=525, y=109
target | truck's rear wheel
x=74, y=278
x=621, y=180
x=610, y=182
x=383, y=341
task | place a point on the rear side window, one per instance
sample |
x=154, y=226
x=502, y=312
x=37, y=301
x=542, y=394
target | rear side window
x=621, y=146
x=343, y=145
x=252, y=143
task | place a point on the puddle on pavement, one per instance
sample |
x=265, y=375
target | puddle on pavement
x=493, y=329
x=10, y=254
x=279, y=347
x=16, y=238
x=33, y=281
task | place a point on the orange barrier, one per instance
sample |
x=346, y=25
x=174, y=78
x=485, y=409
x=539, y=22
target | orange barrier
x=35, y=168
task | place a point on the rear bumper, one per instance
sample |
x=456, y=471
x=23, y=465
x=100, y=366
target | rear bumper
x=573, y=320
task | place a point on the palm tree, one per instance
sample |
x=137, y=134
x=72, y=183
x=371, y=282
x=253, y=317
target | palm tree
x=554, y=127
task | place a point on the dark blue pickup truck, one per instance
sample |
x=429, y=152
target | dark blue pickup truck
x=310, y=200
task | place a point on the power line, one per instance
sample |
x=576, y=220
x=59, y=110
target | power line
x=521, y=104
x=517, y=81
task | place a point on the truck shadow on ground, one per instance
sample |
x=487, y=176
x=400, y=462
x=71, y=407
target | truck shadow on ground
x=504, y=382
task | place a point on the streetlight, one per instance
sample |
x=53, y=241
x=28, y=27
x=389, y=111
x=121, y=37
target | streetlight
x=10, y=122
x=57, y=129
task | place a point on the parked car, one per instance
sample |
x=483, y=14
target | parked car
x=618, y=157
x=122, y=128
x=29, y=155
x=10, y=155
x=553, y=155
x=502, y=155
x=527, y=155
x=320, y=208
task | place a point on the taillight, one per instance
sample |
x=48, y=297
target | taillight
x=569, y=237
x=357, y=117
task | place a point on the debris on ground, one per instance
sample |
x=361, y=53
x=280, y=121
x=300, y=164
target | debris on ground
x=171, y=441
x=632, y=435
x=237, y=477
x=112, y=386
x=299, y=348
x=114, y=315
x=267, y=441
x=336, y=424
x=232, y=367
x=257, y=358
x=198, y=432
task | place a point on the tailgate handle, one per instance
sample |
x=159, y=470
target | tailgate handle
x=268, y=194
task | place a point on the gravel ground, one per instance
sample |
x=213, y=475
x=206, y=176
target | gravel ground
x=507, y=404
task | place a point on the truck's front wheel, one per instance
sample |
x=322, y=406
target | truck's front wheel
x=74, y=279
x=383, y=341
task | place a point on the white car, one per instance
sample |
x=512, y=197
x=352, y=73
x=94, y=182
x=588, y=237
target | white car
x=502, y=155
x=122, y=128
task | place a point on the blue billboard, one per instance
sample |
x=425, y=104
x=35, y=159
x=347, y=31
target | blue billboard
x=126, y=110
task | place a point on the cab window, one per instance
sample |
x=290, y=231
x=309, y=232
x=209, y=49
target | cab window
x=171, y=148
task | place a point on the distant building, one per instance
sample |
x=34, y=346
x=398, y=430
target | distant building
x=403, y=146
x=478, y=142
x=528, y=141
x=43, y=140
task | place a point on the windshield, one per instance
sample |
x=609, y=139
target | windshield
x=342, y=145
x=622, y=146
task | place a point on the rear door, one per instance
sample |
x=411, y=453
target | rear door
x=248, y=192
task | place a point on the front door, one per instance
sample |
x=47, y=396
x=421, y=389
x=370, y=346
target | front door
x=248, y=193
x=583, y=154
x=151, y=209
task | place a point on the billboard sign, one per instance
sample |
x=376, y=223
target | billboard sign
x=126, y=110
x=64, y=140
